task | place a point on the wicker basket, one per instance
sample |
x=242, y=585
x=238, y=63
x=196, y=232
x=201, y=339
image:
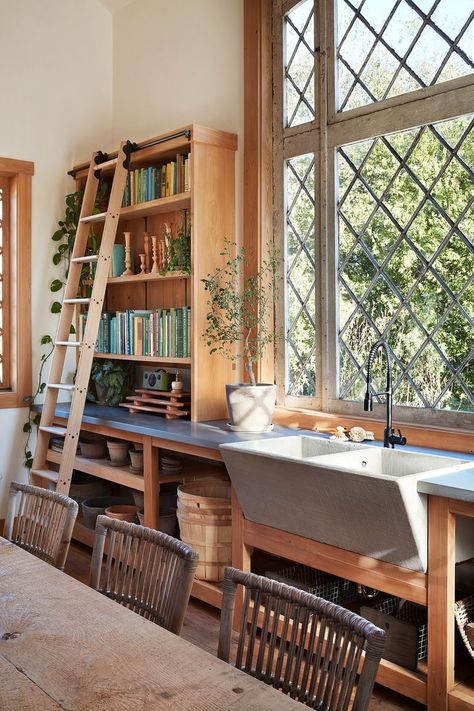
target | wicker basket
x=205, y=523
x=464, y=613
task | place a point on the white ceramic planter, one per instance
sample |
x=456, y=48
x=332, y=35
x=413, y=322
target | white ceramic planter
x=250, y=407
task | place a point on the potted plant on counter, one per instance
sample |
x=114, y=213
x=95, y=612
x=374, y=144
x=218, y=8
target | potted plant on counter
x=238, y=327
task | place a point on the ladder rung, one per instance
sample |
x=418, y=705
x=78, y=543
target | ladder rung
x=61, y=386
x=107, y=164
x=94, y=218
x=87, y=258
x=76, y=301
x=71, y=344
x=46, y=474
x=54, y=430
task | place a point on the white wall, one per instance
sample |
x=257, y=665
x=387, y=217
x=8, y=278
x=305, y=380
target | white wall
x=68, y=91
x=179, y=62
x=56, y=101
x=176, y=63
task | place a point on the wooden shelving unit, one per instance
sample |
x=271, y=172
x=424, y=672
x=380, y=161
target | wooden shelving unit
x=158, y=360
x=209, y=208
x=144, y=209
x=102, y=470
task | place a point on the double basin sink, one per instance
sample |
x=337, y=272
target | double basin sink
x=353, y=496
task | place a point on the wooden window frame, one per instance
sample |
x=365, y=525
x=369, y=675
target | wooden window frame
x=261, y=212
x=19, y=175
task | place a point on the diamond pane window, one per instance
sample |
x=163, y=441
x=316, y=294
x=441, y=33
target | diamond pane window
x=300, y=270
x=388, y=48
x=299, y=64
x=406, y=263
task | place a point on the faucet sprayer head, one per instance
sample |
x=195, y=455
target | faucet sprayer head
x=368, y=402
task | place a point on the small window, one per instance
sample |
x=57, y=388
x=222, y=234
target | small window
x=4, y=285
x=15, y=281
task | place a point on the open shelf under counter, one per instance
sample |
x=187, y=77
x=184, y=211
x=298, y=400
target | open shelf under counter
x=181, y=201
x=101, y=468
x=134, y=278
x=159, y=360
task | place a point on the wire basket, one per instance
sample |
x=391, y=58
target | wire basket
x=464, y=614
x=329, y=587
x=411, y=613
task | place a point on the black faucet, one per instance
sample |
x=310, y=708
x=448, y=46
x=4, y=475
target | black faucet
x=389, y=438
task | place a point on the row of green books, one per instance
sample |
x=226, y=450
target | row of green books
x=161, y=333
x=145, y=184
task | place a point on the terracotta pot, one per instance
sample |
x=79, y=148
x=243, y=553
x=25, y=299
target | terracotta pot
x=123, y=512
x=118, y=451
x=91, y=508
x=136, y=459
x=93, y=450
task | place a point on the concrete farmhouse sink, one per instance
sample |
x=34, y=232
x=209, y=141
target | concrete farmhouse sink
x=359, y=498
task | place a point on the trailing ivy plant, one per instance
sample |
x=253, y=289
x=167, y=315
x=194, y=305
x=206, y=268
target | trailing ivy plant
x=64, y=239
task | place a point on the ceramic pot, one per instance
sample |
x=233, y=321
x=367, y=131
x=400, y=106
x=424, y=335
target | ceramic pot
x=91, y=508
x=250, y=407
x=118, y=452
x=94, y=450
x=136, y=459
x=123, y=512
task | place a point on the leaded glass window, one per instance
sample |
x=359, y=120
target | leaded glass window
x=390, y=47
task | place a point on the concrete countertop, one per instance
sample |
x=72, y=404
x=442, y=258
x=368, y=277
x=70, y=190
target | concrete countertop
x=214, y=433
x=202, y=434
x=459, y=485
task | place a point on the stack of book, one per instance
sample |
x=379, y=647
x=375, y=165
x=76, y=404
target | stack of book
x=161, y=333
x=145, y=184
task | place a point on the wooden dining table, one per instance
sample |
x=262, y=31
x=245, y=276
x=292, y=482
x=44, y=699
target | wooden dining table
x=66, y=646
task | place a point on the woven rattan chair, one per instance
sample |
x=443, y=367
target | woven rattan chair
x=145, y=570
x=41, y=522
x=318, y=663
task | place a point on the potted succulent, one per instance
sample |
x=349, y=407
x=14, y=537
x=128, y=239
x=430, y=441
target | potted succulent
x=238, y=327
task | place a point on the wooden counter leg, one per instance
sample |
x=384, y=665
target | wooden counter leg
x=151, y=474
x=441, y=561
x=240, y=553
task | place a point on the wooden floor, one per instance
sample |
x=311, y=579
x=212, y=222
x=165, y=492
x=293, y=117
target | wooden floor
x=201, y=627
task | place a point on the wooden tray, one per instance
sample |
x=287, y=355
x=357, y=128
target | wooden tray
x=162, y=402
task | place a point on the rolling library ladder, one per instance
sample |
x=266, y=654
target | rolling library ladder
x=40, y=471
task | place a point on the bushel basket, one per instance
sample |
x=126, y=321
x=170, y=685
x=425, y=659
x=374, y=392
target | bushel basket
x=205, y=523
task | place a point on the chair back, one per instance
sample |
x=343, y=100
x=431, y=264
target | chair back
x=143, y=569
x=40, y=521
x=308, y=648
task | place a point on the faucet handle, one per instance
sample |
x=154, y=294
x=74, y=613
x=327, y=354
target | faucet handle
x=403, y=440
x=397, y=439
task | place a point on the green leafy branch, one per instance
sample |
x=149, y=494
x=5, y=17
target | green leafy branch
x=239, y=307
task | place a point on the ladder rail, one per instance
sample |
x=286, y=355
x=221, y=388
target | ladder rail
x=64, y=324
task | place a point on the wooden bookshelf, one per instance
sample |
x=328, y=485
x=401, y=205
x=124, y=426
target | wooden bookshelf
x=182, y=201
x=138, y=278
x=209, y=208
x=157, y=360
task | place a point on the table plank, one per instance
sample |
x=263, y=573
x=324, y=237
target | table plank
x=87, y=652
x=18, y=693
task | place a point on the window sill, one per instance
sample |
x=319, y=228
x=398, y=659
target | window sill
x=432, y=437
x=11, y=400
